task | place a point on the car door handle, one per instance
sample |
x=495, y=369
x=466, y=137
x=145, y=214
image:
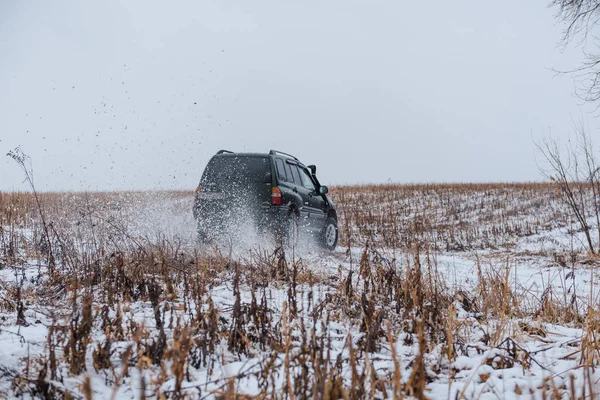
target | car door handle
x=295, y=190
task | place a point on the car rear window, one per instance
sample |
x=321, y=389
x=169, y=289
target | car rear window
x=236, y=169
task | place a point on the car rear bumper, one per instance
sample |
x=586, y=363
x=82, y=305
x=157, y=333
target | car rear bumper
x=220, y=219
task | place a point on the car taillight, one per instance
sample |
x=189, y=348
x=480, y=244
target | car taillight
x=276, y=196
x=197, y=193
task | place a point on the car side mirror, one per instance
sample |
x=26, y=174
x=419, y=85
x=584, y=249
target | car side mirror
x=323, y=190
x=268, y=178
x=313, y=169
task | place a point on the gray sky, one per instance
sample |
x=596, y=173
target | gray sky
x=139, y=94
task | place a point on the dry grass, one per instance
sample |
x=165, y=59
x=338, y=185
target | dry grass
x=100, y=272
x=447, y=216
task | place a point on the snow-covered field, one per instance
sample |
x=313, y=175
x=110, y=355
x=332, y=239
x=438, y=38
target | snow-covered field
x=437, y=291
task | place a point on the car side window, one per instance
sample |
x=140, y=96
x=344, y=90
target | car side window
x=288, y=169
x=281, y=170
x=295, y=174
x=306, y=179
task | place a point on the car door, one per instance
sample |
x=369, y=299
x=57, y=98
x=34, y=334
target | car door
x=316, y=202
x=298, y=189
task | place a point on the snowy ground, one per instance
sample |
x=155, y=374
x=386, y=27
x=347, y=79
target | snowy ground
x=238, y=319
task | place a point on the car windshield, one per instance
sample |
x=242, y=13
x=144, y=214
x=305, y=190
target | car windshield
x=231, y=169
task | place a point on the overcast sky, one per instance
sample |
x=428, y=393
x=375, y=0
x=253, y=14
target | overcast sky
x=139, y=94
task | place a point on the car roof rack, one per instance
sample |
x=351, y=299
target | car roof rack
x=224, y=151
x=281, y=152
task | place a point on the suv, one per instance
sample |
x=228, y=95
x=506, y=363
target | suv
x=275, y=191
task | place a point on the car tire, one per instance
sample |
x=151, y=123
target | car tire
x=201, y=236
x=292, y=229
x=329, y=238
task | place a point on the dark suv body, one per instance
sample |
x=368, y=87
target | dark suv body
x=275, y=191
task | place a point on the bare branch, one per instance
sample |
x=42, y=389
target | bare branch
x=580, y=17
x=567, y=173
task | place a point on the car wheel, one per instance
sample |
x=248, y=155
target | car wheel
x=201, y=236
x=330, y=234
x=292, y=233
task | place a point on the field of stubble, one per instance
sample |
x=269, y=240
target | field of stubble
x=435, y=291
